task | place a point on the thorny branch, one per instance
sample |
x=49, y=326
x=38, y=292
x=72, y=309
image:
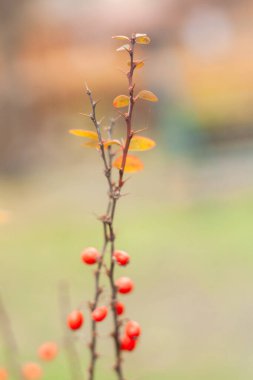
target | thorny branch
x=108, y=219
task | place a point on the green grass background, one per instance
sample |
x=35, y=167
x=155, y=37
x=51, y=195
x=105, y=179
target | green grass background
x=191, y=263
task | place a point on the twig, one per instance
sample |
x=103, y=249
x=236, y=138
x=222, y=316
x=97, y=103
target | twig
x=128, y=116
x=98, y=290
x=101, y=144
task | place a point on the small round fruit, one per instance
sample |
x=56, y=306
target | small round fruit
x=133, y=329
x=48, y=351
x=119, y=307
x=121, y=257
x=3, y=374
x=75, y=320
x=32, y=371
x=127, y=344
x=99, y=313
x=90, y=256
x=124, y=285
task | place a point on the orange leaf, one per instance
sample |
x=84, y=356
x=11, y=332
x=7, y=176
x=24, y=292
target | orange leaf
x=121, y=101
x=111, y=142
x=124, y=47
x=142, y=39
x=83, y=133
x=138, y=64
x=133, y=164
x=147, y=95
x=140, y=143
x=120, y=38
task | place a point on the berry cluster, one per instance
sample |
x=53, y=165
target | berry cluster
x=130, y=338
x=124, y=285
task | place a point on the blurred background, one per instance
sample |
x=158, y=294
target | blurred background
x=187, y=219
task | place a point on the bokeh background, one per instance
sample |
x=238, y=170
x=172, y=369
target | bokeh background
x=187, y=219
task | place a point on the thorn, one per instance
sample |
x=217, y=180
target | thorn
x=87, y=89
x=104, y=218
x=96, y=355
x=140, y=130
x=116, y=367
x=96, y=215
x=85, y=114
x=107, y=271
x=100, y=290
x=125, y=194
x=127, y=179
x=96, y=102
x=114, y=120
x=121, y=114
x=100, y=121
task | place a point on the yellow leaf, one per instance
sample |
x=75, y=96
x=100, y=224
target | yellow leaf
x=147, y=95
x=140, y=143
x=142, y=39
x=133, y=164
x=84, y=133
x=111, y=142
x=138, y=64
x=91, y=144
x=121, y=101
x=124, y=47
x=120, y=38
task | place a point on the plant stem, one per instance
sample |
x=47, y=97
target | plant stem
x=128, y=116
x=108, y=219
x=98, y=291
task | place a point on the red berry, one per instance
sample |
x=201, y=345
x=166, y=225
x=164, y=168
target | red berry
x=90, y=256
x=133, y=329
x=119, y=307
x=121, y=257
x=99, y=313
x=48, y=351
x=31, y=371
x=3, y=374
x=127, y=344
x=75, y=320
x=124, y=285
